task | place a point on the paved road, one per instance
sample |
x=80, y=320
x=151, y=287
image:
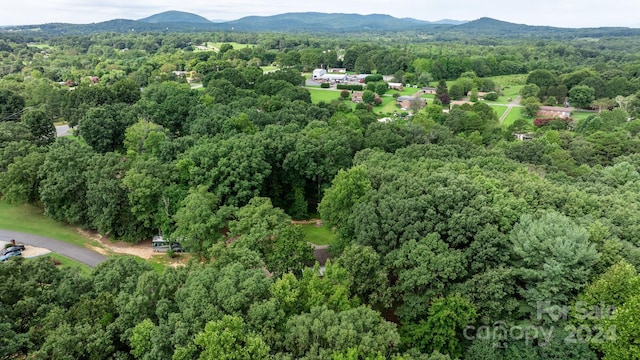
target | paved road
x=78, y=253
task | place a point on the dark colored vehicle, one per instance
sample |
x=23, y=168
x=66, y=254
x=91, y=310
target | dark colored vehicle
x=9, y=255
x=12, y=249
x=176, y=247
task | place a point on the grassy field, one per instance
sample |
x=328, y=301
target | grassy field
x=388, y=106
x=499, y=109
x=70, y=263
x=327, y=96
x=581, y=115
x=29, y=219
x=514, y=115
x=511, y=91
x=318, y=235
x=236, y=46
x=269, y=68
x=510, y=80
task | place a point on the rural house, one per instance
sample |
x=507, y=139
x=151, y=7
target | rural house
x=555, y=111
x=410, y=102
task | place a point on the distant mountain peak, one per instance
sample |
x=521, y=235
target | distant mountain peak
x=174, y=16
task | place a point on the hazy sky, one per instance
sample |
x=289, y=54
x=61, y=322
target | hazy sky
x=560, y=13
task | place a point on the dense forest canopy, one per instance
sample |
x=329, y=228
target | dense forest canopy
x=461, y=233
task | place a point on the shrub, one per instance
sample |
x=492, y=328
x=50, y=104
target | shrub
x=356, y=87
x=373, y=78
x=492, y=96
x=324, y=85
x=554, y=122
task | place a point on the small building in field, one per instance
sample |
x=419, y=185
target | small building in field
x=459, y=103
x=395, y=86
x=481, y=94
x=318, y=73
x=428, y=90
x=180, y=74
x=523, y=137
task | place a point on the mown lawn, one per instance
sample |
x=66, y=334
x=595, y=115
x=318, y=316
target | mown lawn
x=69, y=263
x=510, y=80
x=388, y=106
x=405, y=91
x=30, y=219
x=268, y=68
x=581, y=115
x=510, y=92
x=499, y=109
x=514, y=115
x=318, y=235
x=236, y=46
x=327, y=96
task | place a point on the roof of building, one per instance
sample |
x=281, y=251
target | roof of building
x=321, y=254
x=333, y=76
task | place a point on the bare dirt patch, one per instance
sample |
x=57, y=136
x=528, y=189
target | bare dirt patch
x=141, y=249
x=32, y=251
x=317, y=222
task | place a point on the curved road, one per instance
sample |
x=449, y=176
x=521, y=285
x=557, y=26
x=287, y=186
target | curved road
x=78, y=253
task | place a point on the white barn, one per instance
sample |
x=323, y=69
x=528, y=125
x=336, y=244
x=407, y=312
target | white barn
x=317, y=73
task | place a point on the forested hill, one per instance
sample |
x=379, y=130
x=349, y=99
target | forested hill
x=321, y=22
x=493, y=27
x=313, y=22
x=175, y=17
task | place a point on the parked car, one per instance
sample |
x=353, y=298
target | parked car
x=13, y=248
x=176, y=247
x=9, y=255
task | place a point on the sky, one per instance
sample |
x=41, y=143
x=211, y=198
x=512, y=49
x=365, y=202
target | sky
x=559, y=13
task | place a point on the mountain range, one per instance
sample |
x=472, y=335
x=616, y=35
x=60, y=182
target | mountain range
x=338, y=23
